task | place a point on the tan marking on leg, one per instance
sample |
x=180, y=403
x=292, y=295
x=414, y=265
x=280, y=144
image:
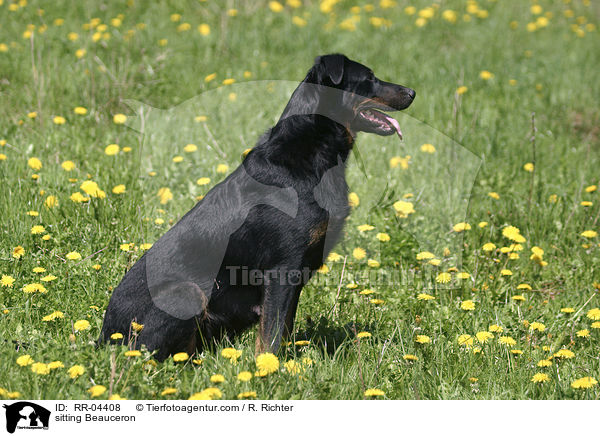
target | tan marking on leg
x=259, y=346
x=317, y=233
x=191, y=346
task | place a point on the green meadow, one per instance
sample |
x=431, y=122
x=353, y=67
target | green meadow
x=468, y=269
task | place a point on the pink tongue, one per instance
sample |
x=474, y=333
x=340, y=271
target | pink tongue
x=394, y=123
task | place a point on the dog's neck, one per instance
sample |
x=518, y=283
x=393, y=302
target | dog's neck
x=314, y=138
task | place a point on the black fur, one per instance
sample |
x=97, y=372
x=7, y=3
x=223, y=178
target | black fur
x=304, y=154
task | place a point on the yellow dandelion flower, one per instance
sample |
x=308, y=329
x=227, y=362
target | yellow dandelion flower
x=54, y=315
x=507, y=340
x=383, y=237
x=373, y=263
x=132, y=353
x=37, y=230
x=119, y=118
x=51, y=201
x=374, y=393
x=425, y=297
x=165, y=195
x=73, y=255
x=461, y=227
x=7, y=281
x=466, y=340
x=222, y=168
x=443, y=277
x=594, y=314
x=403, y=208
x=56, y=365
x=540, y=378
x=97, y=390
x=231, y=353
x=467, y=305
x=25, y=360
x=428, y=148
x=75, y=371
x=40, y=368
x=365, y=228
x=564, y=353
x=461, y=90
x=119, y=189
x=267, y=363
x=217, y=378
x=244, y=376
x=34, y=287
x=293, y=367
x=299, y=21
x=359, y=253
x=81, y=325
x=537, y=326
x=423, y=339
x=68, y=165
x=353, y=199
x=112, y=149
x=483, y=336
x=34, y=163
x=513, y=233
x=324, y=269
x=486, y=75
x=204, y=30
x=584, y=383
x=424, y=255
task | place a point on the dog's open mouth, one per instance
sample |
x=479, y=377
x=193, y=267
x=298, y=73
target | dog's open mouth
x=381, y=123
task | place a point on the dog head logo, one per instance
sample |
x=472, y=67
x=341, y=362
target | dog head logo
x=26, y=415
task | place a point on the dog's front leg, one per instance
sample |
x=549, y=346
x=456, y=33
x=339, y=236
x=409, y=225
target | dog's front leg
x=279, y=296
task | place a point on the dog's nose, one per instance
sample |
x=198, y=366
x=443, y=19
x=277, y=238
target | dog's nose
x=411, y=93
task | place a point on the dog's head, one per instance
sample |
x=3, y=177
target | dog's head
x=364, y=95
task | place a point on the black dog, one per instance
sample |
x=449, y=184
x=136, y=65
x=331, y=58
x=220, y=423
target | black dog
x=244, y=252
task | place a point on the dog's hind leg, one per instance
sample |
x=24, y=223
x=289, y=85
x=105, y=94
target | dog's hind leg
x=291, y=315
x=277, y=312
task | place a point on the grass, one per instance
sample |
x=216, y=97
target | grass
x=482, y=138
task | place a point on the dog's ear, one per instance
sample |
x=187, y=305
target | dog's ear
x=333, y=66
